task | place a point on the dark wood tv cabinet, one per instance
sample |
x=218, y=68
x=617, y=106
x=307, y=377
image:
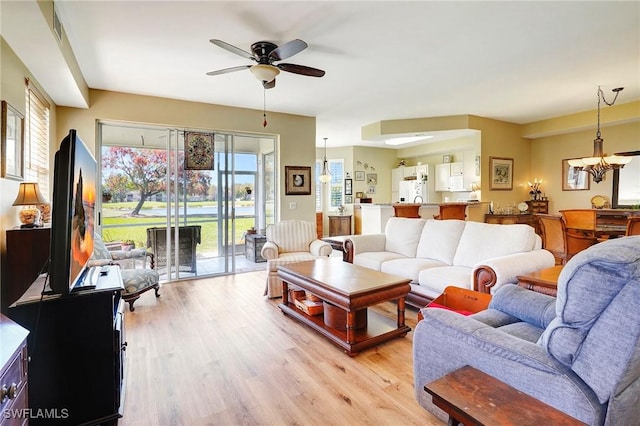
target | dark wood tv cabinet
x=76, y=348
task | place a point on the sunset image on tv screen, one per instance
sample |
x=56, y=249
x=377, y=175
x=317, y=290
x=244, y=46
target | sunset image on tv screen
x=82, y=220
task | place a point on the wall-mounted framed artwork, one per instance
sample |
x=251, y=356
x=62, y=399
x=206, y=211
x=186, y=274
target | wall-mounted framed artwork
x=500, y=173
x=297, y=180
x=359, y=175
x=348, y=199
x=372, y=179
x=348, y=187
x=12, y=143
x=573, y=179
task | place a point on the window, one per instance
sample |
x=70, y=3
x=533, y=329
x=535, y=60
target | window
x=36, y=141
x=336, y=185
x=333, y=191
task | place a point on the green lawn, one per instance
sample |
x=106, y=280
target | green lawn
x=118, y=226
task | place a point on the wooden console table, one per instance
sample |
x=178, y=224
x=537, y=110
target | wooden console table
x=472, y=397
x=510, y=219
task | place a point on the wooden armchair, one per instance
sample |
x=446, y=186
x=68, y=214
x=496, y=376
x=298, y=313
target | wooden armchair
x=633, y=226
x=580, y=221
x=561, y=243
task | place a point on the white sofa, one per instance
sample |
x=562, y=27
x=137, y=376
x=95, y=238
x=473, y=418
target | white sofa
x=439, y=253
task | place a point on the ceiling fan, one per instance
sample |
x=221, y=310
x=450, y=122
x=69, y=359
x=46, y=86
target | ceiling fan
x=265, y=53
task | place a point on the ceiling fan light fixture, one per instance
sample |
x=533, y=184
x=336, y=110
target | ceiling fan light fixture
x=264, y=72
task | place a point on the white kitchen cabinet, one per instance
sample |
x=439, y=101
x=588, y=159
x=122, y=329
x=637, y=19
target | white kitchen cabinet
x=449, y=177
x=457, y=169
x=409, y=171
x=421, y=170
x=443, y=172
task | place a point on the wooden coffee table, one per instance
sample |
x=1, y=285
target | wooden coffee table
x=351, y=288
x=544, y=281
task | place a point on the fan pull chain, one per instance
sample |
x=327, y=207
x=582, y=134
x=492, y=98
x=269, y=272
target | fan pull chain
x=264, y=108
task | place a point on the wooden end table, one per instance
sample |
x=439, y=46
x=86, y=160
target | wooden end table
x=544, y=281
x=353, y=289
x=472, y=397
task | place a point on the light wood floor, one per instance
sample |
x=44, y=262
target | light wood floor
x=215, y=351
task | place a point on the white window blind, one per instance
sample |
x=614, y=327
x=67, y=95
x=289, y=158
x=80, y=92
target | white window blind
x=36, y=149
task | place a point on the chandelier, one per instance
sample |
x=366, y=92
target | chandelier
x=599, y=164
x=325, y=176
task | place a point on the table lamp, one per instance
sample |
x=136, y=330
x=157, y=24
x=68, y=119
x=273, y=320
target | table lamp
x=29, y=196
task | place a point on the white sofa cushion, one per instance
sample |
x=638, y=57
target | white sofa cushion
x=439, y=240
x=480, y=241
x=402, y=235
x=434, y=280
x=375, y=259
x=409, y=267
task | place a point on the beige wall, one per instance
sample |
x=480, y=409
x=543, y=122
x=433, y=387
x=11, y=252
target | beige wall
x=12, y=89
x=296, y=146
x=502, y=139
x=547, y=154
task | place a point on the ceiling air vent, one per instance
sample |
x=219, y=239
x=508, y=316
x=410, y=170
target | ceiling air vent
x=57, y=26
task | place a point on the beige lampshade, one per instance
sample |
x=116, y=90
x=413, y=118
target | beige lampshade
x=29, y=195
x=264, y=72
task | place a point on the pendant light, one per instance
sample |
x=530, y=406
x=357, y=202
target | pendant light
x=598, y=164
x=325, y=176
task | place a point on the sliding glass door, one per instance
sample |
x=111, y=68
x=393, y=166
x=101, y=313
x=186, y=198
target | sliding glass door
x=194, y=221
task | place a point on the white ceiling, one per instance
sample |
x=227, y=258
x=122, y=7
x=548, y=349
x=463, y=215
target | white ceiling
x=514, y=61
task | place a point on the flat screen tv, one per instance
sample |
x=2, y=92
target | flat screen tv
x=73, y=215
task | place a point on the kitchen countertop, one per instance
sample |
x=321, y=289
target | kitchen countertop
x=469, y=203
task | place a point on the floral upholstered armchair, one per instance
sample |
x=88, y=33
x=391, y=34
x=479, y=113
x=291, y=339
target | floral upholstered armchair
x=136, y=281
x=290, y=241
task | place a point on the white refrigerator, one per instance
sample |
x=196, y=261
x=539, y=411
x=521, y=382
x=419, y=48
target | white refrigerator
x=410, y=191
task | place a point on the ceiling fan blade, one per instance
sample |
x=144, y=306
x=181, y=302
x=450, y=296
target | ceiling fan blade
x=228, y=70
x=287, y=50
x=301, y=69
x=231, y=48
x=269, y=84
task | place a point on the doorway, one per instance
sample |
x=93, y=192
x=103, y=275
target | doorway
x=193, y=221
